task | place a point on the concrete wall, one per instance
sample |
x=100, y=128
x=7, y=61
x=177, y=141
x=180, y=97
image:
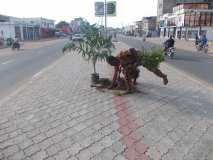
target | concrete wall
x=209, y=32
x=7, y=30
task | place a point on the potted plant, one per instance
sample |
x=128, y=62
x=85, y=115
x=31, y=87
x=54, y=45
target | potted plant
x=95, y=47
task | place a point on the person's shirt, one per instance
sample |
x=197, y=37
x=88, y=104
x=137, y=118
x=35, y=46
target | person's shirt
x=204, y=40
x=170, y=42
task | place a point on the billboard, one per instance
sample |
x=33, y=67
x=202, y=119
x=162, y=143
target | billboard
x=111, y=9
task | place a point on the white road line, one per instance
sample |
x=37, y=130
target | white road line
x=37, y=74
x=9, y=61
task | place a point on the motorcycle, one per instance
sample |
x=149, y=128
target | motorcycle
x=16, y=45
x=201, y=47
x=170, y=52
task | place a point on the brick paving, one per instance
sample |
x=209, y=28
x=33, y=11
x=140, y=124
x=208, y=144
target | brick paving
x=58, y=116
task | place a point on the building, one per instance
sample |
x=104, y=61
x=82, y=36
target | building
x=63, y=27
x=139, y=28
x=37, y=28
x=26, y=28
x=149, y=26
x=7, y=29
x=77, y=25
x=188, y=20
x=130, y=30
x=146, y=26
x=165, y=6
x=210, y=2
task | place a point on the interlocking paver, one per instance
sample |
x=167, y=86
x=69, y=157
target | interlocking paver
x=57, y=115
x=9, y=151
x=53, y=149
x=33, y=149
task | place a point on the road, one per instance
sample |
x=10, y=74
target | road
x=196, y=64
x=19, y=66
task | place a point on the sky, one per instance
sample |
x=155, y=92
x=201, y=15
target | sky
x=128, y=11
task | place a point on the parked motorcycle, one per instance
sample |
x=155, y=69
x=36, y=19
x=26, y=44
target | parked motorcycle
x=204, y=48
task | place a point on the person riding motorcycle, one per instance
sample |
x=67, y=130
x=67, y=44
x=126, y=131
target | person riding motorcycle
x=197, y=40
x=169, y=43
x=16, y=44
x=203, y=41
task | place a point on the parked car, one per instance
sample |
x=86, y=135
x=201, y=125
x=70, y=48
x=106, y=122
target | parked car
x=60, y=34
x=78, y=37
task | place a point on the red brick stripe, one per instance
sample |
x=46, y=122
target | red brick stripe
x=127, y=127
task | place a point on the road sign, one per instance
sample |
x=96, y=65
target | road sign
x=99, y=9
x=111, y=9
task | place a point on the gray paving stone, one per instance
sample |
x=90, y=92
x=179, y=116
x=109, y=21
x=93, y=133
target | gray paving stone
x=10, y=150
x=29, y=151
x=45, y=144
x=63, y=155
x=66, y=117
x=39, y=155
x=85, y=155
x=120, y=157
x=26, y=143
x=53, y=149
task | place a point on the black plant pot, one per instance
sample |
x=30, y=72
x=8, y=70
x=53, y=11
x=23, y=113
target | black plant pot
x=94, y=78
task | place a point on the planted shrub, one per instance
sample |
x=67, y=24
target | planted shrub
x=151, y=58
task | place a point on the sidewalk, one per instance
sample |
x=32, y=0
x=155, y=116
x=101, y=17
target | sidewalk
x=57, y=116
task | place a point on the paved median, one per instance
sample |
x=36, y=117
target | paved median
x=57, y=115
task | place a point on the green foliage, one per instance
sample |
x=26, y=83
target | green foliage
x=95, y=47
x=151, y=58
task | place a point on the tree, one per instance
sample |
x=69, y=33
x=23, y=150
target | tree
x=95, y=47
x=61, y=24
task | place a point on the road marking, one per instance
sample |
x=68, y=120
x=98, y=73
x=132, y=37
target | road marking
x=37, y=74
x=9, y=61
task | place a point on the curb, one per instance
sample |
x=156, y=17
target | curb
x=191, y=77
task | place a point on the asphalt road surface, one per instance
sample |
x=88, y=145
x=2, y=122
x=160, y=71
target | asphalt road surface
x=199, y=65
x=17, y=68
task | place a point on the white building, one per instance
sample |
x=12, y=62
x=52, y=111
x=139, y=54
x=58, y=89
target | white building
x=25, y=28
x=187, y=21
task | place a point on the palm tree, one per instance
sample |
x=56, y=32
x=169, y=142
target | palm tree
x=95, y=46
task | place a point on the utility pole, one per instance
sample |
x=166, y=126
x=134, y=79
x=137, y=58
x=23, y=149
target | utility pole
x=200, y=27
x=105, y=16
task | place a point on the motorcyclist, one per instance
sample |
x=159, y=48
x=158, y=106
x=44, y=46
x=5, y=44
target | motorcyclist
x=16, y=43
x=169, y=43
x=197, y=40
x=204, y=41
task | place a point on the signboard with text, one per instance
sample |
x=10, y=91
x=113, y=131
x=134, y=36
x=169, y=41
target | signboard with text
x=111, y=9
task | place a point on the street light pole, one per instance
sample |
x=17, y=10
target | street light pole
x=200, y=27
x=105, y=16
